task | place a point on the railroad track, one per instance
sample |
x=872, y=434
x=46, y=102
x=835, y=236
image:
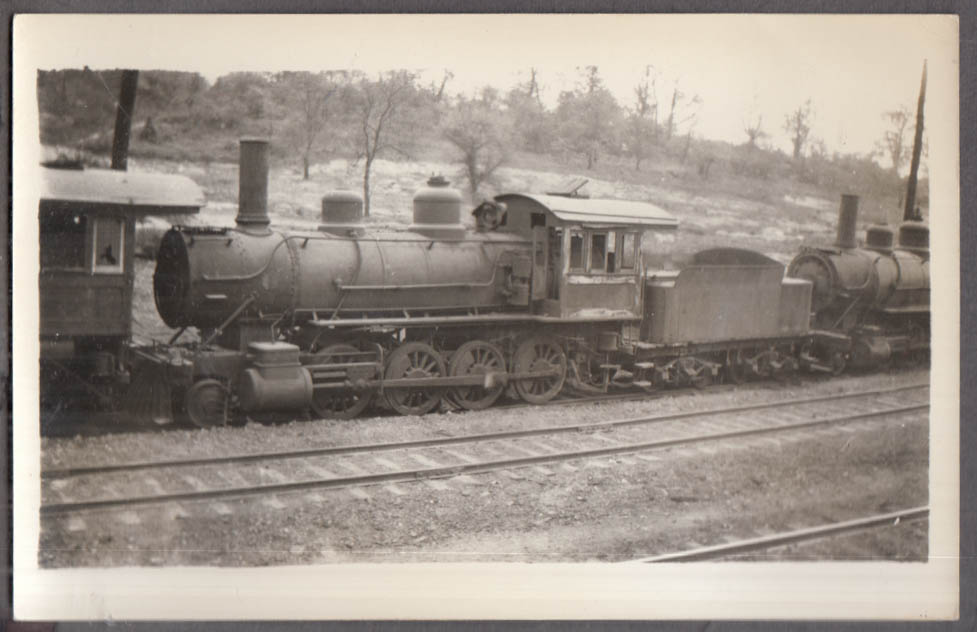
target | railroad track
x=116, y=422
x=798, y=536
x=123, y=486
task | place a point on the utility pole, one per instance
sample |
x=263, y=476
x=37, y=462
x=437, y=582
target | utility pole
x=909, y=213
x=123, y=119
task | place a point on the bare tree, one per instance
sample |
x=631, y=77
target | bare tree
x=643, y=119
x=894, y=142
x=688, y=141
x=798, y=125
x=310, y=95
x=381, y=111
x=682, y=109
x=753, y=127
x=533, y=125
x=477, y=129
x=589, y=116
x=532, y=87
x=438, y=91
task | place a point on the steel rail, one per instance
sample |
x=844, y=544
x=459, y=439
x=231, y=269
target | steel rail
x=790, y=537
x=471, y=438
x=404, y=476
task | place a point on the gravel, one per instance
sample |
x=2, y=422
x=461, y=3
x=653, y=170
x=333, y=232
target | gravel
x=608, y=509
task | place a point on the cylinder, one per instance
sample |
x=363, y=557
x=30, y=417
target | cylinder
x=253, y=184
x=342, y=213
x=437, y=211
x=847, y=219
x=277, y=380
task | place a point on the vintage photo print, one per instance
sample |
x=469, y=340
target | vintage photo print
x=485, y=316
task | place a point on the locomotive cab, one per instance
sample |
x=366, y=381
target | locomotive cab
x=87, y=225
x=586, y=261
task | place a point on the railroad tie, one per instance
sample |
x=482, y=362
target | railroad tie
x=76, y=524
x=359, y=493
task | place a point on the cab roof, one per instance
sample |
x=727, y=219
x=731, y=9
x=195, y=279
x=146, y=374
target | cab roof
x=596, y=211
x=137, y=192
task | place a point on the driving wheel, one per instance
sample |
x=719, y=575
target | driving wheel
x=476, y=357
x=413, y=360
x=538, y=354
x=334, y=404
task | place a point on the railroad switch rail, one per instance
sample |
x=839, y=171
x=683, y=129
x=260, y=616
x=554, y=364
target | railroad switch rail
x=790, y=537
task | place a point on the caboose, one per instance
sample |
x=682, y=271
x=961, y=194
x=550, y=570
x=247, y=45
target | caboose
x=87, y=220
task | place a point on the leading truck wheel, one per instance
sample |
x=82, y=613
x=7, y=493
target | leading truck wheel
x=329, y=404
x=207, y=404
x=413, y=360
x=476, y=358
x=537, y=354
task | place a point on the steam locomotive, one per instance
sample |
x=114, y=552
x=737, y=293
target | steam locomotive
x=548, y=291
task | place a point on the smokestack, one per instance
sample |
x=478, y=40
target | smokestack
x=847, y=218
x=253, y=184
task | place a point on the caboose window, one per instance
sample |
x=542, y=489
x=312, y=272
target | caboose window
x=576, y=250
x=598, y=251
x=63, y=240
x=627, y=250
x=107, y=248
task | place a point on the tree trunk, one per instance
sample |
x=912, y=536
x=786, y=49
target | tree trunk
x=366, y=187
x=305, y=167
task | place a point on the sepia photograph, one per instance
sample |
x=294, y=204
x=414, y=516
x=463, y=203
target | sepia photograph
x=352, y=316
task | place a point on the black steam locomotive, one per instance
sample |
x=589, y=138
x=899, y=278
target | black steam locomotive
x=547, y=291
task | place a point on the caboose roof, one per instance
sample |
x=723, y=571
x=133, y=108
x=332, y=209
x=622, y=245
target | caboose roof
x=136, y=192
x=600, y=212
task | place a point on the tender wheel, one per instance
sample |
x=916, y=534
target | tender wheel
x=476, y=358
x=207, y=403
x=413, y=360
x=540, y=353
x=735, y=371
x=703, y=379
x=338, y=404
x=838, y=363
x=695, y=371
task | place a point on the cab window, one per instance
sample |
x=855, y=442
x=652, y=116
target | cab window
x=576, y=250
x=62, y=239
x=611, y=251
x=598, y=252
x=108, y=244
x=628, y=250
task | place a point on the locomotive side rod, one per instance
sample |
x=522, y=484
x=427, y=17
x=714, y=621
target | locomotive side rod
x=438, y=382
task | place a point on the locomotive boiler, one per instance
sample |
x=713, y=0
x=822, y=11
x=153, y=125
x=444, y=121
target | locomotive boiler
x=873, y=302
x=205, y=276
